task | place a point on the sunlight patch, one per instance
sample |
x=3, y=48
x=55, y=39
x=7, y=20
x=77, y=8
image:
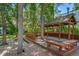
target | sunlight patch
x=3, y=53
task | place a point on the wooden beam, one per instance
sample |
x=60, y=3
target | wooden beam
x=69, y=32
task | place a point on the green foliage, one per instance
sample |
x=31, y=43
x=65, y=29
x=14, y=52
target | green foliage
x=76, y=6
x=32, y=13
x=49, y=11
x=9, y=13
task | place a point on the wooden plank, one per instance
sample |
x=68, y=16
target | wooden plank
x=71, y=51
x=66, y=53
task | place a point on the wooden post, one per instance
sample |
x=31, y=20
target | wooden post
x=69, y=32
x=73, y=32
x=60, y=33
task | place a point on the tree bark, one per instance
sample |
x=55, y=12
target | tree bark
x=42, y=21
x=20, y=28
x=16, y=17
x=4, y=24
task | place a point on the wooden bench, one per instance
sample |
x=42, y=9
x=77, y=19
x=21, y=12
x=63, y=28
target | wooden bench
x=63, y=46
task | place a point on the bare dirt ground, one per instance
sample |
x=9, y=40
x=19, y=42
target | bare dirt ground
x=30, y=49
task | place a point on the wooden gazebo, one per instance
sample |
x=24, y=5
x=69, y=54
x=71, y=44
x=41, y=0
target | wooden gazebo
x=64, y=46
x=68, y=20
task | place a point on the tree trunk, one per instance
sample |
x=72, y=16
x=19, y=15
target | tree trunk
x=42, y=21
x=4, y=25
x=20, y=28
x=16, y=17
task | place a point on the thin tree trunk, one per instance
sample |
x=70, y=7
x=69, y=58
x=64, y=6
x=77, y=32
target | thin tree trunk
x=16, y=16
x=4, y=25
x=42, y=21
x=20, y=28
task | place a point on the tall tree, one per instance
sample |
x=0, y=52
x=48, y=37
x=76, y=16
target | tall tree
x=20, y=28
x=42, y=21
x=3, y=23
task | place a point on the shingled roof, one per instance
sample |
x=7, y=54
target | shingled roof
x=62, y=20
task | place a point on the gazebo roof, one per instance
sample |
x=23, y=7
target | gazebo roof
x=62, y=20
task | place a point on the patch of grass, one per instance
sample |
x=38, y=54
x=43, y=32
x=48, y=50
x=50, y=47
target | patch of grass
x=11, y=36
x=8, y=36
x=0, y=36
